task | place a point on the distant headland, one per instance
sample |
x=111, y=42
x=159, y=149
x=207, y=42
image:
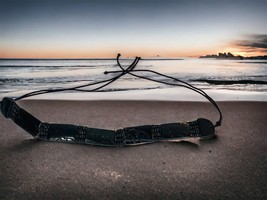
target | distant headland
x=230, y=56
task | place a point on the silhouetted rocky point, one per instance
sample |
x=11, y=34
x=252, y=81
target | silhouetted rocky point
x=231, y=56
x=223, y=56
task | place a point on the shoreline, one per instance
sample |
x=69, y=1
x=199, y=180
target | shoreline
x=166, y=94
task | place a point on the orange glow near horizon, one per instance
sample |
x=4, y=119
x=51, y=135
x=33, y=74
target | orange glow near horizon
x=126, y=52
x=46, y=53
x=244, y=52
x=99, y=53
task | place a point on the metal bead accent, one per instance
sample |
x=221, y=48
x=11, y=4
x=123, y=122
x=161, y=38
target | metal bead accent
x=14, y=111
x=156, y=133
x=194, y=129
x=43, y=131
x=119, y=137
x=81, y=134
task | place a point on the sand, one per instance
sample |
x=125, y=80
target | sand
x=230, y=166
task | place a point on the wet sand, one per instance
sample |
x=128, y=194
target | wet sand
x=230, y=166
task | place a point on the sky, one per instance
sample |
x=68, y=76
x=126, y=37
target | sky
x=146, y=28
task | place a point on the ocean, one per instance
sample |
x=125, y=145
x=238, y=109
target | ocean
x=222, y=79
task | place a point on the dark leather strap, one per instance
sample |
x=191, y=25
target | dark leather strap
x=201, y=128
x=22, y=118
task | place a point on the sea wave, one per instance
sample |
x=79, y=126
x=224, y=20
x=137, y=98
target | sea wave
x=4, y=81
x=250, y=62
x=54, y=66
x=230, y=82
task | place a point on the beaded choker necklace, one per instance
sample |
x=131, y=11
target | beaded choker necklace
x=201, y=128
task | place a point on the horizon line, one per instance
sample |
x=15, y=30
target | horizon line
x=127, y=58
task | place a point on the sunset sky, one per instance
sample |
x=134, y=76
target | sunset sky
x=103, y=28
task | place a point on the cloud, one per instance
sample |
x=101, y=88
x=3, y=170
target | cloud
x=255, y=41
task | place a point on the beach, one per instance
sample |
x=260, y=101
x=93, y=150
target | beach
x=126, y=75
x=230, y=166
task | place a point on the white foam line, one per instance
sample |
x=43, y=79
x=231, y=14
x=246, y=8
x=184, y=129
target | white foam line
x=169, y=94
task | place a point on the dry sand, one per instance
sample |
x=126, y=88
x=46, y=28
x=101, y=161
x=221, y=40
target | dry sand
x=230, y=166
